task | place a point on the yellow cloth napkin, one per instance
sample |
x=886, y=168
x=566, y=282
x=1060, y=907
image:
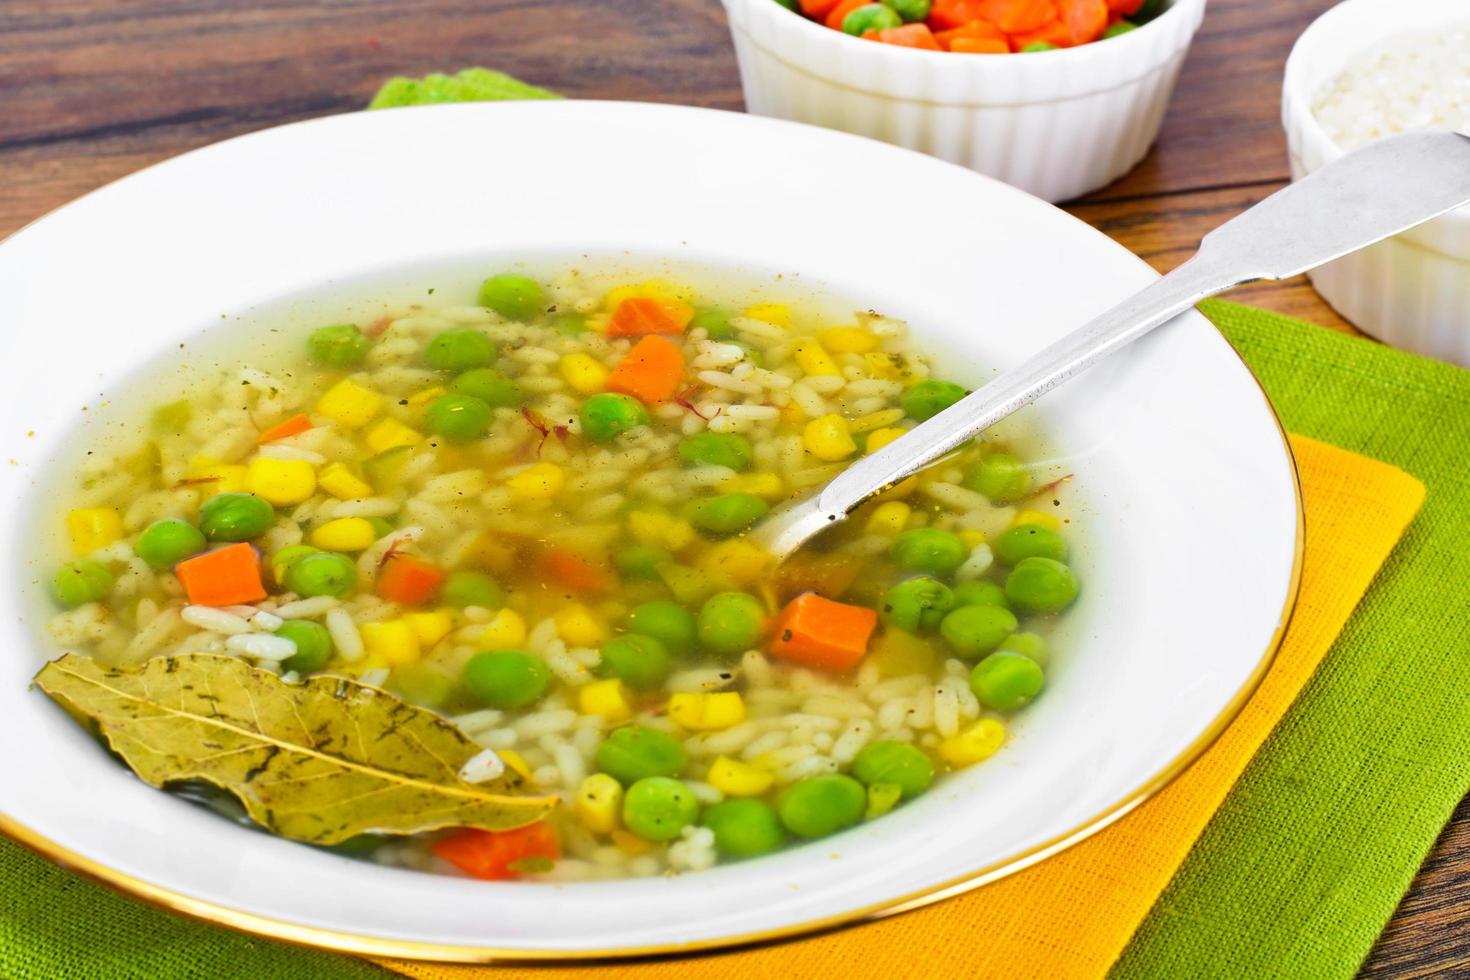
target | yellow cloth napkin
x=1071, y=915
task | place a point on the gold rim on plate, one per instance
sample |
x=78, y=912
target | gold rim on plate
x=347, y=942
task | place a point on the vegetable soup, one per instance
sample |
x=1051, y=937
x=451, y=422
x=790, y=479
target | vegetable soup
x=467, y=586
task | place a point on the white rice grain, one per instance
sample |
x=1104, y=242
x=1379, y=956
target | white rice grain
x=214, y=620
x=261, y=646
x=482, y=767
x=308, y=608
x=345, y=638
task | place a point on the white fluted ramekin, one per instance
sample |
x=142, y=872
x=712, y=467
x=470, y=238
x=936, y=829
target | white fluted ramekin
x=1057, y=124
x=1411, y=291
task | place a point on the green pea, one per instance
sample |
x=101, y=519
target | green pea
x=728, y=513
x=1041, y=585
x=905, y=766
x=385, y=469
x=490, y=386
x=569, y=324
x=1120, y=28
x=1006, y=681
x=235, y=517
x=882, y=798
x=974, y=630
x=322, y=573
x=79, y=582
x=916, y=604
x=423, y=685
x=659, y=808
x=458, y=418
x=640, y=561
x=668, y=622
x=1149, y=10
x=633, y=752
x=513, y=296
x=717, y=449
x=716, y=323
x=792, y=5
x=926, y=399
x=606, y=415
x=745, y=828
x=979, y=594
x=731, y=622
x=506, y=678
x=289, y=555
x=910, y=10
x=1000, y=477
x=639, y=661
x=170, y=419
x=873, y=17
x=467, y=588
x=381, y=526
x=460, y=349
x=165, y=543
x=822, y=805
x=1036, y=46
x=313, y=645
x=1030, y=540
x=1031, y=645
x=929, y=549
x=340, y=345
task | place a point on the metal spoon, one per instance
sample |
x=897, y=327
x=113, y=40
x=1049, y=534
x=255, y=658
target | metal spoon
x=1364, y=197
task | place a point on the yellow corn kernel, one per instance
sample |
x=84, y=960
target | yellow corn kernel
x=791, y=414
x=975, y=744
x=91, y=528
x=389, y=434
x=900, y=490
x=888, y=367
x=421, y=399
x=735, y=778
x=515, y=763
x=281, y=481
x=506, y=629
x=212, y=476
x=766, y=485
x=889, y=518
x=584, y=373
x=539, y=481
x=394, y=642
x=660, y=530
x=430, y=627
x=652, y=288
x=706, y=712
x=879, y=438
x=849, y=340
x=349, y=404
x=598, y=322
x=776, y=314
x=608, y=699
x=344, y=534
x=631, y=844
x=736, y=560
x=878, y=420
x=972, y=538
x=576, y=625
x=599, y=799
x=339, y=481
x=1039, y=518
x=828, y=438
x=813, y=359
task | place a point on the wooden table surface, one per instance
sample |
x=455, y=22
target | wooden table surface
x=94, y=89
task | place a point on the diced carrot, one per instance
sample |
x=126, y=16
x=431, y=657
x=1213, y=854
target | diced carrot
x=1018, y=16
x=638, y=315
x=497, y=854
x=289, y=427
x=947, y=15
x=407, y=580
x=1085, y=19
x=975, y=29
x=910, y=36
x=839, y=13
x=979, y=45
x=227, y=576
x=823, y=634
x=651, y=372
x=1055, y=32
x=571, y=570
x=817, y=9
x=1125, y=8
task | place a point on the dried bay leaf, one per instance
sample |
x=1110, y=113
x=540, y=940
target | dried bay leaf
x=318, y=762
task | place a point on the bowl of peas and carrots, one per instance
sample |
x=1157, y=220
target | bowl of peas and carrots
x=1075, y=102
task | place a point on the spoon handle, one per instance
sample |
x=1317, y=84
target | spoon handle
x=1364, y=197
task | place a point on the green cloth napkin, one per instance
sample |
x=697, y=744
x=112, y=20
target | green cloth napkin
x=1298, y=872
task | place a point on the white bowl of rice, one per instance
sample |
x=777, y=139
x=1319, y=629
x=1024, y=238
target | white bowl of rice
x=1348, y=84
